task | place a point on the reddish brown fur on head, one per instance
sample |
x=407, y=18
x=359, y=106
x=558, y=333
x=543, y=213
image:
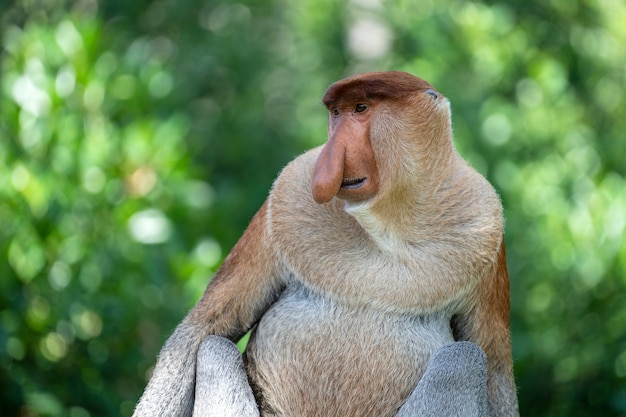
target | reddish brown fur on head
x=347, y=166
x=391, y=85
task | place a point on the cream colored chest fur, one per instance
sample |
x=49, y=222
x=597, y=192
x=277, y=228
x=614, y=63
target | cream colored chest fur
x=308, y=352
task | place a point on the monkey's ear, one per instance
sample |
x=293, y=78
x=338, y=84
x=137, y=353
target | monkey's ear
x=432, y=93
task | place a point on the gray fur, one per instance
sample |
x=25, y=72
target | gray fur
x=222, y=388
x=454, y=385
x=176, y=370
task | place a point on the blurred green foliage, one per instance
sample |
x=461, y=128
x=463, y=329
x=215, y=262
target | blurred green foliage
x=138, y=138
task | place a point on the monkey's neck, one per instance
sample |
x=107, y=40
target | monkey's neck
x=384, y=236
x=392, y=231
x=403, y=217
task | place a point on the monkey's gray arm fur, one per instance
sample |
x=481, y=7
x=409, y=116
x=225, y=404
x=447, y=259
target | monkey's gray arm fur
x=454, y=385
x=222, y=388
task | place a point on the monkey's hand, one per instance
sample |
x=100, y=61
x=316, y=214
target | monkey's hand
x=222, y=388
x=454, y=385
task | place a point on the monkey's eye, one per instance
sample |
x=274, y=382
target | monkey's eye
x=335, y=111
x=360, y=108
x=432, y=93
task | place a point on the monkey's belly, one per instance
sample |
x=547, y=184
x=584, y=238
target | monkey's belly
x=310, y=356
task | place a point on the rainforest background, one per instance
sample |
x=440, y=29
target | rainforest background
x=138, y=138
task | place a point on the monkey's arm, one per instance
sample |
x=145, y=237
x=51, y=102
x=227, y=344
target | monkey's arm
x=245, y=285
x=486, y=323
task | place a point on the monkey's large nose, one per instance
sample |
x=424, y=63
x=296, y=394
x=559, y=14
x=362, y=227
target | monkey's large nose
x=328, y=172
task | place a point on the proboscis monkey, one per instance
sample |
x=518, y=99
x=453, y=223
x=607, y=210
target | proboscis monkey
x=370, y=254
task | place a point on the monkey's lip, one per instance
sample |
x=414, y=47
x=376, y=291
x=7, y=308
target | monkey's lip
x=352, y=183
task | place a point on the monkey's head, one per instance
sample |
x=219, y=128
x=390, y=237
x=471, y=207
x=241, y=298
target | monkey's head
x=384, y=128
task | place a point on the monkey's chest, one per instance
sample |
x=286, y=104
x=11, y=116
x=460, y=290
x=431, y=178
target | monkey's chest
x=311, y=357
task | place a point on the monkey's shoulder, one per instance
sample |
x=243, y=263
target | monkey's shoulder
x=295, y=179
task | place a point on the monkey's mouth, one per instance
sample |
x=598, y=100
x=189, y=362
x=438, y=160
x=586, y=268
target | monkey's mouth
x=352, y=183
